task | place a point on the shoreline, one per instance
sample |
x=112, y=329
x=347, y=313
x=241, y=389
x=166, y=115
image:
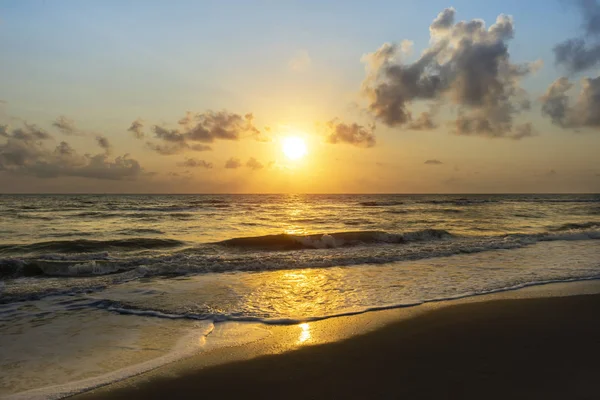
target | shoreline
x=286, y=346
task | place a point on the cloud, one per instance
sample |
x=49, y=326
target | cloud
x=233, y=163
x=253, y=164
x=137, y=128
x=195, y=163
x=300, y=62
x=465, y=65
x=583, y=113
x=357, y=135
x=433, y=162
x=583, y=52
x=27, y=133
x=104, y=143
x=577, y=55
x=523, y=131
x=25, y=151
x=423, y=123
x=551, y=173
x=195, y=128
x=67, y=126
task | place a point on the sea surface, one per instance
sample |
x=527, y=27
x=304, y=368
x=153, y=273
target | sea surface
x=94, y=288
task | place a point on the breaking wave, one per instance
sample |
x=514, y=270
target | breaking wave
x=85, y=246
x=339, y=239
x=87, y=258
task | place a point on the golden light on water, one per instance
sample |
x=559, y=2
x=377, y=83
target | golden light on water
x=293, y=147
x=304, y=333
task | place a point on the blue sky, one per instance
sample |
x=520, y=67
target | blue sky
x=106, y=63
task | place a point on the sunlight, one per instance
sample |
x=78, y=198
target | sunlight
x=305, y=333
x=293, y=147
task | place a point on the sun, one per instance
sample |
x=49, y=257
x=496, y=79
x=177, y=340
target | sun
x=293, y=147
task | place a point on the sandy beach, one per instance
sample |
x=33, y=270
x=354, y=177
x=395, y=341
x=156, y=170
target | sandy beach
x=510, y=345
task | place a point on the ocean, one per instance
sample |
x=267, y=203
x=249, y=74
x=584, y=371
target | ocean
x=95, y=288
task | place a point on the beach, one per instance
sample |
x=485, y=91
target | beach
x=130, y=290
x=511, y=345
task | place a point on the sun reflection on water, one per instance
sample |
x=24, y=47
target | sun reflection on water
x=304, y=333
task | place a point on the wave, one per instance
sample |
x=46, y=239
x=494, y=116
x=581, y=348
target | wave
x=85, y=246
x=143, y=231
x=95, y=214
x=555, y=200
x=459, y=201
x=120, y=308
x=34, y=217
x=380, y=203
x=15, y=268
x=444, y=211
x=262, y=253
x=339, y=239
x=209, y=202
x=576, y=225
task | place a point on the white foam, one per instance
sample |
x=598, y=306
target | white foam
x=181, y=350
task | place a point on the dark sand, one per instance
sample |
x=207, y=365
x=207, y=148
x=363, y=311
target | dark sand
x=547, y=348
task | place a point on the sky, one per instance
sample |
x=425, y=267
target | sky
x=387, y=96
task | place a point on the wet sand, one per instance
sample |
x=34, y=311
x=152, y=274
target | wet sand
x=510, y=348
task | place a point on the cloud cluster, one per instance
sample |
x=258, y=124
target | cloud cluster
x=466, y=65
x=433, y=162
x=233, y=163
x=26, y=151
x=583, y=113
x=577, y=55
x=195, y=163
x=354, y=134
x=254, y=164
x=137, y=128
x=103, y=143
x=423, y=123
x=67, y=126
x=195, y=129
x=581, y=53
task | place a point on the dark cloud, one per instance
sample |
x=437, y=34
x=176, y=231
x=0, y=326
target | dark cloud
x=25, y=152
x=581, y=53
x=583, y=113
x=254, y=164
x=433, y=162
x=577, y=55
x=551, y=173
x=176, y=148
x=28, y=133
x=233, y=163
x=67, y=126
x=465, y=65
x=354, y=134
x=104, y=143
x=195, y=163
x=195, y=128
x=475, y=126
x=137, y=128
